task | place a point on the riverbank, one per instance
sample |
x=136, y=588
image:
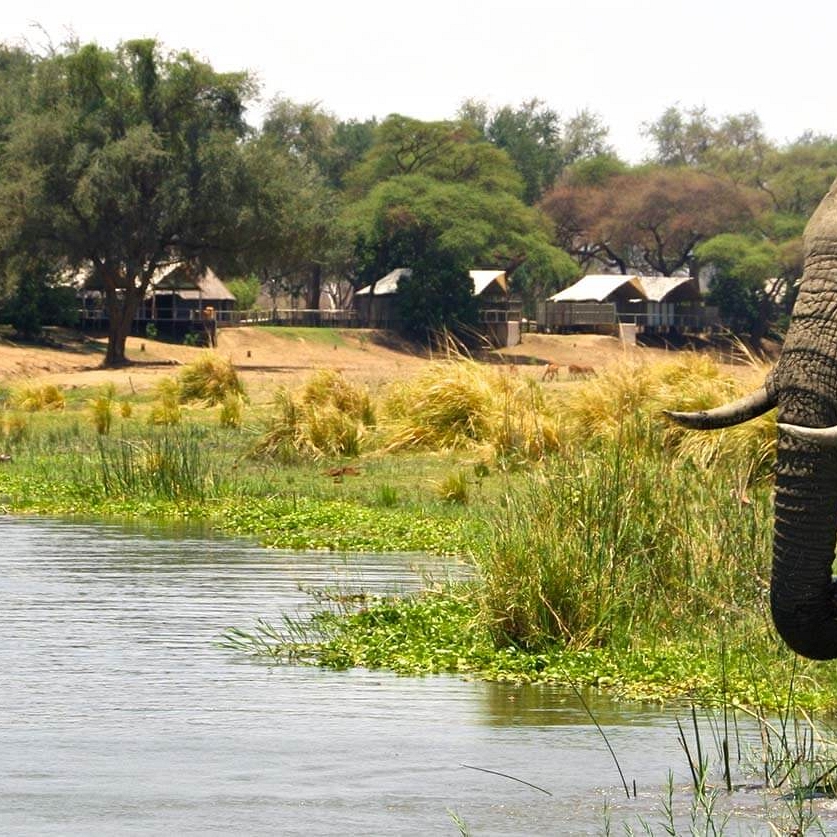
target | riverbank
x=609, y=548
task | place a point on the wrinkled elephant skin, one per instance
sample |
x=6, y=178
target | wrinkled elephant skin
x=803, y=386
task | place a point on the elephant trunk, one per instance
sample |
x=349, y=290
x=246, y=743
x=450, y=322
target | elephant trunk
x=802, y=592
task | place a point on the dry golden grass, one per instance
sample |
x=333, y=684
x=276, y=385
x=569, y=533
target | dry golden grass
x=460, y=403
x=36, y=398
x=628, y=402
x=328, y=417
x=166, y=408
x=210, y=379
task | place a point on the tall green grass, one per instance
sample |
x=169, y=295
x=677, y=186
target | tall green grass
x=169, y=465
x=604, y=544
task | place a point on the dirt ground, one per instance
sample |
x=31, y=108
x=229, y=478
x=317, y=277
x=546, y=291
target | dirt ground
x=266, y=359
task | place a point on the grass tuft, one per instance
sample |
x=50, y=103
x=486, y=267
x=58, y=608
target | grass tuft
x=210, y=379
x=36, y=398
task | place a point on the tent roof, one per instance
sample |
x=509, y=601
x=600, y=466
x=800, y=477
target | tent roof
x=598, y=287
x=190, y=285
x=483, y=280
x=180, y=278
x=387, y=284
x=670, y=288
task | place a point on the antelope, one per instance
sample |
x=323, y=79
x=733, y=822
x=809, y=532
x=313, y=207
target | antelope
x=550, y=372
x=581, y=371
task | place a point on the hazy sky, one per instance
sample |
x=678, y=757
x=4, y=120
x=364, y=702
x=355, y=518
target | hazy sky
x=626, y=60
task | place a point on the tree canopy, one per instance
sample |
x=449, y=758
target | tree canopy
x=121, y=162
x=436, y=191
x=115, y=163
x=649, y=218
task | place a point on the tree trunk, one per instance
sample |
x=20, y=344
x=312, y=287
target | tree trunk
x=121, y=312
x=312, y=295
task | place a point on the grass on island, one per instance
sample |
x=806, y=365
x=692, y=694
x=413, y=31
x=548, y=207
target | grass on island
x=609, y=547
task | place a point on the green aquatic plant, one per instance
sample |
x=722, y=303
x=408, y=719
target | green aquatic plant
x=169, y=465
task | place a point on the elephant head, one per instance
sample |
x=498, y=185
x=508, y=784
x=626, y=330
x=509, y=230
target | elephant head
x=803, y=386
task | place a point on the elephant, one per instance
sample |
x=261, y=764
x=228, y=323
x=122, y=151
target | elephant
x=802, y=385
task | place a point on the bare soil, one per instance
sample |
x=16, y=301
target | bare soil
x=266, y=359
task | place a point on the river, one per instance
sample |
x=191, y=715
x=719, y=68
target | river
x=119, y=713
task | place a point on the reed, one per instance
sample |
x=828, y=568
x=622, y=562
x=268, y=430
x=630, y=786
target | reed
x=605, y=543
x=169, y=465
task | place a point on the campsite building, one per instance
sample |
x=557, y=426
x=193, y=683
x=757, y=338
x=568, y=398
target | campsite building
x=179, y=299
x=609, y=302
x=499, y=311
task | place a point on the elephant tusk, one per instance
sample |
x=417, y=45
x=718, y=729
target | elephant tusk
x=749, y=407
x=824, y=436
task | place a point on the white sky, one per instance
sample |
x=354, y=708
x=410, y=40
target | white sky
x=626, y=60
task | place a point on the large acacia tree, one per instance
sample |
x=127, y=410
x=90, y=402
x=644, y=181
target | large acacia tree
x=649, y=219
x=117, y=162
x=436, y=194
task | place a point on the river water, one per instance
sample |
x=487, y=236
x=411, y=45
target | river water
x=119, y=713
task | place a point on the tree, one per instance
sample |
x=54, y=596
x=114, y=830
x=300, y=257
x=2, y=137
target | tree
x=451, y=152
x=797, y=176
x=304, y=154
x=290, y=238
x=245, y=291
x=36, y=299
x=404, y=219
x=437, y=297
x=317, y=138
x=121, y=162
x=436, y=191
x=536, y=140
x=531, y=135
x=733, y=147
x=649, y=219
x=751, y=278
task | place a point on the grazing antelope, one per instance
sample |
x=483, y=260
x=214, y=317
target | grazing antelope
x=581, y=371
x=550, y=372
